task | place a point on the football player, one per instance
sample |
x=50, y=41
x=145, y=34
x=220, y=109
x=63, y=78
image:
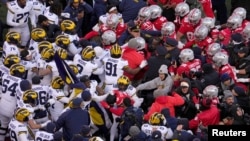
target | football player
x=17, y=17
x=242, y=13
x=181, y=11
x=57, y=93
x=143, y=19
x=11, y=44
x=47, y=134
x=38, y=8
x=168, y=30
x=114, y=67
x=49, y=70
x=10, y=83
x=188, y=64
x=158, y=122
x=68, y=27
x=108, y=38
x=156, y=16
x=85, y=64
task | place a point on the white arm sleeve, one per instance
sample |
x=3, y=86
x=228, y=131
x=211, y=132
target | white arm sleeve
x=73, y=49
x=33, y=18
x=64, y=100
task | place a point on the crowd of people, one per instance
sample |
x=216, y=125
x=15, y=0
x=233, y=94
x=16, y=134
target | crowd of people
x=128, y=70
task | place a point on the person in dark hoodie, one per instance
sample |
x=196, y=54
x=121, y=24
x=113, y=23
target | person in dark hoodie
x=242, y=98
x=237, y=115
x=209, y=76
x=182, y=132
x=172, y=121
x=188, y=109
x=77, y=9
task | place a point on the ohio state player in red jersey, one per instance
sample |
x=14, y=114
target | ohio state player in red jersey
x=143, y=19
x=194, y=20
x=202, y=40
x=234, y=23
x=220, y=62
x=168, y=30
x=188, y=63
x=113, y=23
x=212, y=50
x=156, y=18
x=181, y=11
x=207, y=8
x=242, y=13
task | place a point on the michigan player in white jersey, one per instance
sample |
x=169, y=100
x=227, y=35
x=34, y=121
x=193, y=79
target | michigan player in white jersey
x=85, y=63
x=11, y=43
x=49, y=70
x=8, y=102
x=68, y=27
x=57, y=92
x=51, y=13
x=42, y=98
x=47, y=134
x=18, y=129
x=17, y=17
x=38, y=36
x=38, y=8
x=114, y=67
x=158, y=122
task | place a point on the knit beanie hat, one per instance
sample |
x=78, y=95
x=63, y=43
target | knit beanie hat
x=227, y=94
x=134, y=130
x=158, y=93
x=239, y=90
x=224, y=77
x=25, y=85
x=163, y=69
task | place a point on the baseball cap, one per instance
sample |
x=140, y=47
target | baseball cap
x=171, y=42
x=156, y=135
x=76, y=102
x=243, y=50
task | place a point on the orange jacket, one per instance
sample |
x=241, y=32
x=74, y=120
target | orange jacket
x=165, y=101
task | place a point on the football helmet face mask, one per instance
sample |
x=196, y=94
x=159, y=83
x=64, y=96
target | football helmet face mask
x=17, y=70
x=210, y=91
x=157, y=119
x=186, y=55
x=144, y=14
x=22, y=114
x=208, y=22
x=194, y=16
x=88, y=54
x=213, y=49
x=241, y=12
x=44, y=44
x=156, y=11
x=201, y=32
x=30, y=97
x=10, y=60
x=112, y=21
x=234, y=21
x=62, y=41
x=47, y=54
x=220, y=59
x=108, y=37
x=123, y=83
x=68, y=26
x=57, y=83
x=141, y=43
x=168, y=29
x=115, y=51
x=182, y=9
x=38, y=34
x=13, y=37
x=62, y=53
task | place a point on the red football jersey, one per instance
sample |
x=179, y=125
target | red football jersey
x=207, y=8
x=159, y=22
x=229, y=70
x=188, y=29
x=194, y=65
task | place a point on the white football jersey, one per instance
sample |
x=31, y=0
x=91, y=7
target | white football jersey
x=113, y=69
x=43, y=136
x=18, y=16
x=10, y=49
x=16, y=129
x=37, y=9
x=60, y=99
x=33, y=47
x=166, y=133
x=53, y=18
x=8, y=102
x=47, y=78
x=42, y=92
x=4, y=70
x=85, y=67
